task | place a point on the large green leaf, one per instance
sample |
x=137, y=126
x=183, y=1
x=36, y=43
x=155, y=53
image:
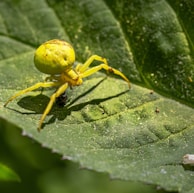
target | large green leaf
x=134, y=134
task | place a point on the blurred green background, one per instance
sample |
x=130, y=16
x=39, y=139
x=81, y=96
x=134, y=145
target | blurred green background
x=43, y=171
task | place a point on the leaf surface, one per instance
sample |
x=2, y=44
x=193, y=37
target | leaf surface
x=139, y=134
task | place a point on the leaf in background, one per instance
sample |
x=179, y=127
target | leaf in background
x=7, y=174
x=162, y=43
x=134, y=134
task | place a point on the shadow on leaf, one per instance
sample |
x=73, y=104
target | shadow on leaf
x=67, y=110
x=38, y=103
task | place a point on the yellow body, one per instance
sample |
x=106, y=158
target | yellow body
x=56, y=57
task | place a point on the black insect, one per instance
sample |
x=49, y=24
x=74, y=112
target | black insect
x=61, y=100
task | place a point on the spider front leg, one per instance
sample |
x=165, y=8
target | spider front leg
x=84, y=71
x=59, y=92
x=82, y=68
x=34, y=87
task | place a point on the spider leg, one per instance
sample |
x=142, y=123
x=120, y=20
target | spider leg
x=105, y=67
x=34, y=87
x=59, y=92
x=78, y=66
x=83, y=68
x=50, y=78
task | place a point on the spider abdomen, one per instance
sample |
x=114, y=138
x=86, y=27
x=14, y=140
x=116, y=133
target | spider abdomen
x=54, y=57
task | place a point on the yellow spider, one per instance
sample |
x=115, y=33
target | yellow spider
x=56, y=58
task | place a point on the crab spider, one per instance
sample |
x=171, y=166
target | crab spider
x=56, y=58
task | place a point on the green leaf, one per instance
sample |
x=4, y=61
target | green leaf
x=139, y=134
x=7, y=174
x=162, y=43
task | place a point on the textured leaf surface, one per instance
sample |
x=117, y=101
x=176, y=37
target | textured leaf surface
x=134, y=134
